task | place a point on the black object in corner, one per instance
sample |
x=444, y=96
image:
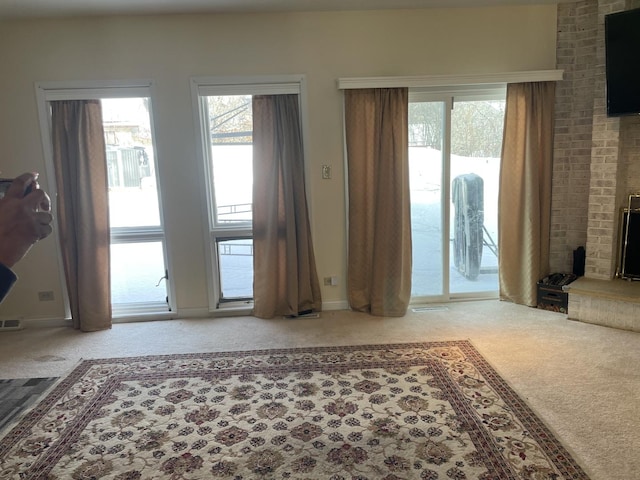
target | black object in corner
x=579, y=257
x=551, y=294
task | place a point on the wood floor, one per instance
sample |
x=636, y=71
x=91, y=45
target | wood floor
x=17, y=395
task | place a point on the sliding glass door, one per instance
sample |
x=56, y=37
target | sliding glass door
x=476, y=143
x=427, y=153
x=454, y=162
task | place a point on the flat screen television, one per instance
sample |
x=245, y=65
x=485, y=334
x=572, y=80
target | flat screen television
x=622, y=47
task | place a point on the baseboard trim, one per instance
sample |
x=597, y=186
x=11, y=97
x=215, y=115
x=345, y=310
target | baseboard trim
x=46, y=322
x=338, y=305
x=183, y=313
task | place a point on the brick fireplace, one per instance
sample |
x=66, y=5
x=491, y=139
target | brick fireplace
x=596, y=168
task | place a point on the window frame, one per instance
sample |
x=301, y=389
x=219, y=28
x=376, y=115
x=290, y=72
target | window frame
x=217, y=239
x=202, y=87
x=98, y=90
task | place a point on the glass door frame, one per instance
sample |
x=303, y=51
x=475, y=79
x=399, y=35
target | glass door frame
x=448, y=96
x=447, y=102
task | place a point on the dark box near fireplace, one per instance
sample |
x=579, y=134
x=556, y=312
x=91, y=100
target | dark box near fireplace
x=551, y=294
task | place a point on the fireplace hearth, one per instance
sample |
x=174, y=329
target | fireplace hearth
x=611, y=303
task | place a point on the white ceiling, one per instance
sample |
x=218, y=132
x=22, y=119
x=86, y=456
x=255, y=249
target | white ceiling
x=59, y=8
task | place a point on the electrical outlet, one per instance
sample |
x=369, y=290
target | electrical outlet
x=45, y=296
x=326, y=172
x=327, y=281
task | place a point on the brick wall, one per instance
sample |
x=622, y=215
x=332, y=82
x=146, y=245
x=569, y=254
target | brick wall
x=630, y=154
x=596, y=162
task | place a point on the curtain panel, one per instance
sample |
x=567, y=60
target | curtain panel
x=82, y=207
x=285, y=277
x=525, y=190
x=379, y=259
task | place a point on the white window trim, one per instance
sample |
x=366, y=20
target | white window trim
x=222, y=85
x=449, y=80
x=96, y=90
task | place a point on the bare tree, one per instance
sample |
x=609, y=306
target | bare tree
x=425, y=124
x=230, y=119
x=476, y=127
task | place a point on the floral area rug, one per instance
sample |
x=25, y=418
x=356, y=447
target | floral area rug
x=430, y=411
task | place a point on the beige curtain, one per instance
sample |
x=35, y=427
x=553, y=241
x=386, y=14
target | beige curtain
x=285, y=277
x=379, y=264
x=525, y=190
x=83, y=218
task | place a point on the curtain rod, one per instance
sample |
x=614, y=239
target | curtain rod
x=450, y=80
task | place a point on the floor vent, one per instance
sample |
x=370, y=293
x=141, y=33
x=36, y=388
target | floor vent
x=434, y=308
x=10, y=325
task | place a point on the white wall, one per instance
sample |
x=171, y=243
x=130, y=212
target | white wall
x=170, y=49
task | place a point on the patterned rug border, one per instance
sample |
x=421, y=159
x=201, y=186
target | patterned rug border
x=539, y=431
x=264, y=351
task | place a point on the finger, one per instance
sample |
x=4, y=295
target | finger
x=44, y=231
x=44, y=218
x=45, y=203
x=21, y=183
x=43, y=224
x=39, y=200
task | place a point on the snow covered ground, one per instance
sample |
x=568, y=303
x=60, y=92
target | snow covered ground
x=137, y=268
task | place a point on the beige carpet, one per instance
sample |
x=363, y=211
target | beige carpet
x=582, y=380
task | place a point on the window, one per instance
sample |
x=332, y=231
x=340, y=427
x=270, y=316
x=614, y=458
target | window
x=455, y=142
x=229, y=126
x=226, y=125
x=139, y=272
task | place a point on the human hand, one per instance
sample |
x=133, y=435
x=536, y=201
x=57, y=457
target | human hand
x=24, y=219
